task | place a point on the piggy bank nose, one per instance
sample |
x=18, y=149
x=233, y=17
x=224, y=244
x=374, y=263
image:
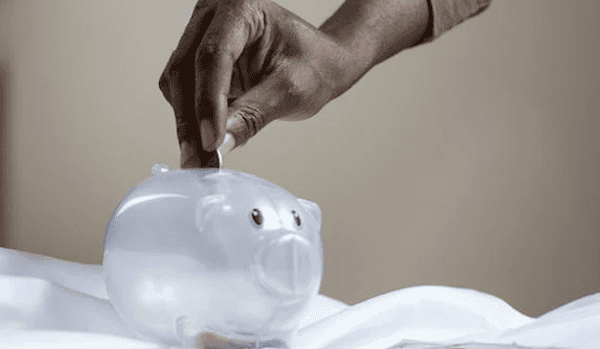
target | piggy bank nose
x=289, y=266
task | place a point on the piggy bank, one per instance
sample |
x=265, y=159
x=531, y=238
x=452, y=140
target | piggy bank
x=212, y=251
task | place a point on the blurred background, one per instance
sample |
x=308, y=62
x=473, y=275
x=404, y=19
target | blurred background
x=472, y=161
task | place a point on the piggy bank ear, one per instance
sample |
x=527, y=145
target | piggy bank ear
x=313, y=209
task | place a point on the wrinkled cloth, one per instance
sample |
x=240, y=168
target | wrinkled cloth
x=446, y=14
x=50, y=303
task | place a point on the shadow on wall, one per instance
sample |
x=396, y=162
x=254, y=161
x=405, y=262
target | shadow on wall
x=4, y=167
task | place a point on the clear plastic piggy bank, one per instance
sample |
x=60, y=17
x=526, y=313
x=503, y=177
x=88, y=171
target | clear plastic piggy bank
x=191, y=253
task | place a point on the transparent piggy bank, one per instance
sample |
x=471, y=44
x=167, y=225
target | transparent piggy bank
x=191, y=253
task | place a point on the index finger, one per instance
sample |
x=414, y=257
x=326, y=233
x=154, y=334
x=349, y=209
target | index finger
x=188, y=132
x=221, y=46
x=192, y=35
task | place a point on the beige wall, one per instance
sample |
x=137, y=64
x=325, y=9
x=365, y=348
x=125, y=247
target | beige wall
x=473, y=161
x=4, y=134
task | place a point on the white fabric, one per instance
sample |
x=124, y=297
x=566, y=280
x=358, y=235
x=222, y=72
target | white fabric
x=49, y=303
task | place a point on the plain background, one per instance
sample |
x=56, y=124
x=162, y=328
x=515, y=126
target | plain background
x=472, y=161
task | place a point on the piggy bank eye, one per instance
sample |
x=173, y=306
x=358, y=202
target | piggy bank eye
x=257, y=217
x=296, y=218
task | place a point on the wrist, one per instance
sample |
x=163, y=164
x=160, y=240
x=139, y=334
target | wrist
x=344, y=68
x=356, y=52
x=372, y=31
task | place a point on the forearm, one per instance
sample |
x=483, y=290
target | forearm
x=375, y=30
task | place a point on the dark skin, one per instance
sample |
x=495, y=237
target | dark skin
x=241, y=64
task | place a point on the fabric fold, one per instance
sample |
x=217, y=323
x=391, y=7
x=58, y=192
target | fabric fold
x=46, y=302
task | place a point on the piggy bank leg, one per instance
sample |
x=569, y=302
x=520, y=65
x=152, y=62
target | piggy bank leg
x=209, y=340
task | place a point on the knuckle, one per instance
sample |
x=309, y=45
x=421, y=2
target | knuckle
x=163, y=85
x=170, y=75
x=208, y=48
x=209, y=51
x=301, y=84
x=253, y=121
x=174, y=67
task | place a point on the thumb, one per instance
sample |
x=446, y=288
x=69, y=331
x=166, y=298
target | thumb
x=269, y=100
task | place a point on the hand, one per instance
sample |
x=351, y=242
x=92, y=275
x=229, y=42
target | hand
x=241, y=64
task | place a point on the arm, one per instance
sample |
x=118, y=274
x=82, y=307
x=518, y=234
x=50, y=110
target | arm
x=242, y=64
x=375, y=30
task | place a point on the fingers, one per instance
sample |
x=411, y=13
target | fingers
x=255, y=109
x=221, y=46
x=177, y=84
x=293, y=91
x=192, y=34
x=202, y=76
x=192, y=155
x=189, y=41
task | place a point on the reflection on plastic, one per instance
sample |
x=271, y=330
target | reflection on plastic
x=206, y=252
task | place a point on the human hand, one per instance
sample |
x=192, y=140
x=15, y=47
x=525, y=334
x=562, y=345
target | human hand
x=241, y=64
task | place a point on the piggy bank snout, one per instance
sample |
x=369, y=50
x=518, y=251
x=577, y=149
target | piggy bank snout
x=289, y=265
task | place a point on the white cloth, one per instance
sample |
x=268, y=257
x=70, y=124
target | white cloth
x=49, y=303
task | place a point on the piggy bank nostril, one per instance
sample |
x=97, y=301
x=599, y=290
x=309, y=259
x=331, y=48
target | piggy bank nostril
x=296, y=218
x=288, y=266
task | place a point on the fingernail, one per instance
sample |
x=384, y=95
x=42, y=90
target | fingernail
x=207, y=132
